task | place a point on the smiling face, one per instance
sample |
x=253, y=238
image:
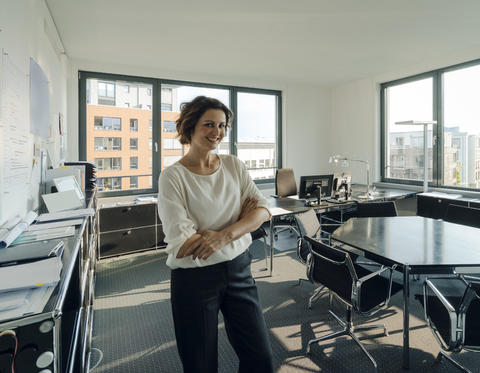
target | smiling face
x=210, y=130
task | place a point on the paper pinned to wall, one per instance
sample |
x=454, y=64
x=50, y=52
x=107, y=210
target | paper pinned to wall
x=14, y=127
x=39, y=101
x=34, y=185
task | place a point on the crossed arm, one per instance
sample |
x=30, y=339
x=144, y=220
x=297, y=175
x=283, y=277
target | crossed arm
x=204, y=243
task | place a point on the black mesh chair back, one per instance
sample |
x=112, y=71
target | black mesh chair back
x=308, y=225
x=258, y=234
x=285, y=184
x=463, y=215
x=376, y=209
x=452, y=310
x=332, y=268
x=335, y=269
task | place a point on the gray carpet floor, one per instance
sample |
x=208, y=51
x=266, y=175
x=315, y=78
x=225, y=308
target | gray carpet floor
x=133, y=330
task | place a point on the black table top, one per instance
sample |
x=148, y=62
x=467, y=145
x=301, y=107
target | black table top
x=413, y=240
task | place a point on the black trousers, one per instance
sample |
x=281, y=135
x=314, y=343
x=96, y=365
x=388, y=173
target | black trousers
x=197, y=294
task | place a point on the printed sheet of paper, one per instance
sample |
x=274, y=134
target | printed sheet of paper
x=15, y=127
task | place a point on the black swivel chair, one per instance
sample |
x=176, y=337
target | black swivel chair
x=285, y=186
x=257, y=235
x=360, y=289
x=452, y=310
x=463, y=215
x=308, y=225
x=376, y=209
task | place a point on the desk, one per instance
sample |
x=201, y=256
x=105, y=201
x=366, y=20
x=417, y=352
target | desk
x=290, y=206
x=417, y=245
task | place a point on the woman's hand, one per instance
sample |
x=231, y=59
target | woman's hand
x=206, y=244
x=249, y=205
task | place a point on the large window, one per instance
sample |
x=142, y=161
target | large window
x=449, y=96
x=255, y=136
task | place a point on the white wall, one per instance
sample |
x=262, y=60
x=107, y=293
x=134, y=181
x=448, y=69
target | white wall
x=306, y=112
x=23, y=37
x=356, y=113
x=307, y=131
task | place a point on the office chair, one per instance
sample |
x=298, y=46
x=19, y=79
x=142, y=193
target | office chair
x=308, y=225
x=376, y=209
x=452, y=306
x=256, y=235
x=362, y=290
x=285, y=186
x=463, y=215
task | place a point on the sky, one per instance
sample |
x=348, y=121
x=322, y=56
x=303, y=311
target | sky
x=256, y=114
x=461, y=95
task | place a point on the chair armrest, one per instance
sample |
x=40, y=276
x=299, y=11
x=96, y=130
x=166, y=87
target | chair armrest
x=373, y=274
x=357, y=291
x=428, y=284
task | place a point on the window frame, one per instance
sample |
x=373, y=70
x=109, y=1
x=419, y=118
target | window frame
x=157, y=126
x=436, y=148
x=438, y=129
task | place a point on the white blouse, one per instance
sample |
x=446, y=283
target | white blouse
x=188, y=203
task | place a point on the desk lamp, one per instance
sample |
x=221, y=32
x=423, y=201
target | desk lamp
x=425, y=124
x=370, y=190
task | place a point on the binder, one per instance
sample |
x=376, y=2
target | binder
x=31, y=251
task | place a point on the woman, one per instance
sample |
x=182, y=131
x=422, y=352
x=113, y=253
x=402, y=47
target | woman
x=208, y=204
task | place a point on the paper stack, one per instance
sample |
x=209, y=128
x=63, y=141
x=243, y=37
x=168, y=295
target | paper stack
x=14, y=228
x=27, y=273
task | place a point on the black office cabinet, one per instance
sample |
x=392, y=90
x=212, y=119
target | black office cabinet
x=435, y=207
x=475, y=204
x=128, y=228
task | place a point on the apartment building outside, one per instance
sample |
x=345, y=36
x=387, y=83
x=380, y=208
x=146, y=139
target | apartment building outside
x=461, y=158
x=119, y=136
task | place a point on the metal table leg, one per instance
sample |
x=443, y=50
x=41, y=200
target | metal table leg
x=406, y=316
x=271, y=245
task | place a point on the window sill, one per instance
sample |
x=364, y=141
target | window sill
x=464, y=193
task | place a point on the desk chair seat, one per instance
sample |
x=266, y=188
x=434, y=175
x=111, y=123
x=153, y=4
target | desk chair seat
x=463, y=215
x=452, y=312
x=285, y=186
x=308, y=225
x=360, y=289
x=257, y=235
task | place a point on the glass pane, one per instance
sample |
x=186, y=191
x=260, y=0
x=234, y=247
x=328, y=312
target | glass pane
x=105, y=132
x=461, y=138
x=172, y=97
x=256, y=140
x=404, y=143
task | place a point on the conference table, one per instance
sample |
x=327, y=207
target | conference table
x=416, y=245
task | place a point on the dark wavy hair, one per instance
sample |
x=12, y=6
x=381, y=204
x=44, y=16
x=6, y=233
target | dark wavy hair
x=191, y=112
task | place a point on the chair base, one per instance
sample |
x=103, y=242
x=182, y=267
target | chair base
x=282, y=229
x=454, y=362
x=315, y=295
x=349, y=330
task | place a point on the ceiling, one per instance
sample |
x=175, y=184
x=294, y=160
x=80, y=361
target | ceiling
x=324, y=42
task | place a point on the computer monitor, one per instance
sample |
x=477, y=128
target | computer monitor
x=310, y=184
x=342, y=183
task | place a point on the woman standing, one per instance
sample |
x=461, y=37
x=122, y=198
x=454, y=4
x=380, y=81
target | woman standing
x=208, y=205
